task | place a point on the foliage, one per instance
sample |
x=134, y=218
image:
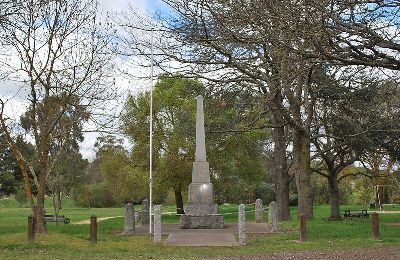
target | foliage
x=233, y=150
x=11, y=177
x=126, y=182
x=94, y=195
x=20, y=196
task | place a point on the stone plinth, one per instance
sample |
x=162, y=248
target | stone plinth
x=200, y=193
x=202, y=221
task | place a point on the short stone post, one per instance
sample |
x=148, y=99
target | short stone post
x=273, y=224
x=375, y=226
x=303, y=228
x=129, y=220
x=145, y=212
x=31, y=229
x=258, y=211
x=157, y=224
x=242, y=224
x=93, y=229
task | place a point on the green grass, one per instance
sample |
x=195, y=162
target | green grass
x=72, y=241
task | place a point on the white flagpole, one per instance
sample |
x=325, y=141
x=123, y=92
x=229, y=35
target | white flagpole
x=151, y=139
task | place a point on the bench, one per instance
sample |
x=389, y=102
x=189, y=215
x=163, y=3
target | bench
x=356, y=213
x=56, y=218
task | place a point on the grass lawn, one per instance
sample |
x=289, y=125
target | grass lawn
x=72, y=241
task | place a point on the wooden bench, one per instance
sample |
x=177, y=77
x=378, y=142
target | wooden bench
x=56, y=218
x=356, y=213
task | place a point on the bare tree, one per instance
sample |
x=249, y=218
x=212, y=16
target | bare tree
x=363, y=32
x=241, y=42
x=58, y=52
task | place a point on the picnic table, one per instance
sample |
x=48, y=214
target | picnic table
x=348, y=213
x=56, y=218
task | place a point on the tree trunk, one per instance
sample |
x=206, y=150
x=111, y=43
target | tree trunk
x=379, y=196
x=179, y=202
x=282, y=176
x=40, y=210
x=57, y=201
x=334, y=199
x=301, y=164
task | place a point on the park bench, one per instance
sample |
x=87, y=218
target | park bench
x=356, y=213
x=56, y=218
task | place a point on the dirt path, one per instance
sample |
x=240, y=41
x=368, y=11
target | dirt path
x=85, y=222
x=381, y=253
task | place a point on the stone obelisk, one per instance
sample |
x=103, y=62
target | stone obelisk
x=201, y=212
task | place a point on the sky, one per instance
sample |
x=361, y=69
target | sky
x=147, y=8
x=17, y=101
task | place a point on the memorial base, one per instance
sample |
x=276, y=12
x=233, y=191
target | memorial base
x=213, y=221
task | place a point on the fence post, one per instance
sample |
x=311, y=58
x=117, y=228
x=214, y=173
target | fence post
x=157, y=224
x=93, y=229
x=31, y=229
x=303, y=228
x=375, y=226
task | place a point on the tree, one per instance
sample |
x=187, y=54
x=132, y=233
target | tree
x=173, y=131
x=20, y=196
x=354, y=118
x=352, y=32
x=174, y=134
x=124, y=179
x=10, y=174
x=11, y=177
x=62, y=54
x=66, y=173
x=65, y=161
x=230, y=41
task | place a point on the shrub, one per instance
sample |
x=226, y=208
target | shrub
x=21, y=196
x=94, y=195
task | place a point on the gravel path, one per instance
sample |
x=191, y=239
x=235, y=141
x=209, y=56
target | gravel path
x=381, y=253
x=83, y=222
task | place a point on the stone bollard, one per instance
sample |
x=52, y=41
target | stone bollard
x=157, y=224
x=145, y=212
x=242, y=224
x=31, y=229
x=303, y=228
x=258, y=212
x=93, y=229
x=375, y=226
x=273, y=224
x=129, y=220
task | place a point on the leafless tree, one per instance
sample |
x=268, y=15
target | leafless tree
x=364, y=32
x=230, y=41
x=57, y=52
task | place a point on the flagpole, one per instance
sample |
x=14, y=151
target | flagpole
x=151, y=138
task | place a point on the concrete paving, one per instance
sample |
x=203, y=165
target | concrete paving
x=203, y=237
x=257, y=228
x=194, y=238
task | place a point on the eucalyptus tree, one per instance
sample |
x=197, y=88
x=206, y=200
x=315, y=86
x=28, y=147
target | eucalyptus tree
x=57, y=51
